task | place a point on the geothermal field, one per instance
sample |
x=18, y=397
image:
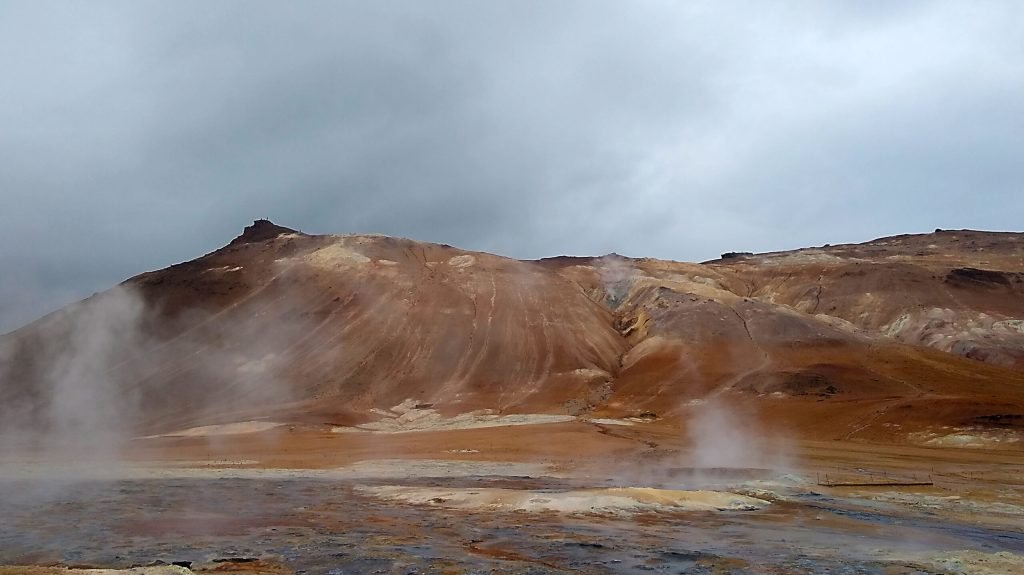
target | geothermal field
x=293, y=403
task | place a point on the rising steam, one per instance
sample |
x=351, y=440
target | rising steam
x=616, y=275
x=724, y=436
x=81, y=384
x=62, y=388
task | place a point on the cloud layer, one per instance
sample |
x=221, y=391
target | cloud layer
x=136, y=134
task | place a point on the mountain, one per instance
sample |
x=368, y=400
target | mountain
x=876, y=341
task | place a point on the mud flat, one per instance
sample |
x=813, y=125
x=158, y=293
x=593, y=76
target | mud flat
x=546, y=499
x=332, y=526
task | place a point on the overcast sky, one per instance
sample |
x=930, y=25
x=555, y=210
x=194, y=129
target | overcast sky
x=137, y=134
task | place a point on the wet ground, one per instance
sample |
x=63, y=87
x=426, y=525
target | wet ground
x=324, y=525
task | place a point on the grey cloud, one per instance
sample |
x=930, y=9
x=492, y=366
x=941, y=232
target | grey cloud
x=137, y=134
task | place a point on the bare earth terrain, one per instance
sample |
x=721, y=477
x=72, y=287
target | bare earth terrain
x=366, y=404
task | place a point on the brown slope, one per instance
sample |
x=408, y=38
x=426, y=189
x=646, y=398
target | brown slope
x=700, y=334
x=328, y=327
x=957, y=291
x=325, y=329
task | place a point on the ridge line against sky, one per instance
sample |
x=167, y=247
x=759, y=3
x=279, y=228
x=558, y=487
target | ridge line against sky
x=139, y=134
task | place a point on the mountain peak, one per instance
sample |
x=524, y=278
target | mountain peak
x=261, y=230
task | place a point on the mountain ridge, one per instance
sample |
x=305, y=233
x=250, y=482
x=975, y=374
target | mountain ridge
x=882, y=339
